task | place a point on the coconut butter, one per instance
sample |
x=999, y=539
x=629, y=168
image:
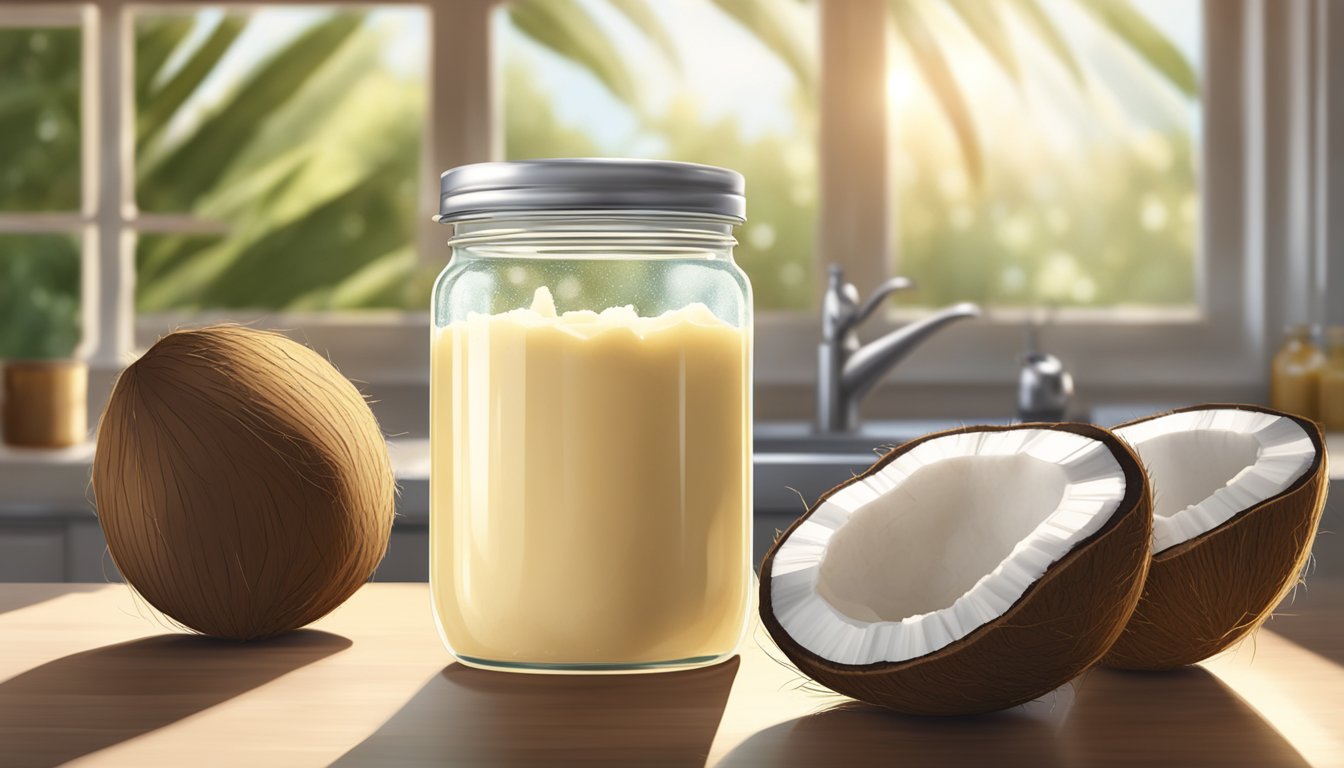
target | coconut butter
x=590, y=486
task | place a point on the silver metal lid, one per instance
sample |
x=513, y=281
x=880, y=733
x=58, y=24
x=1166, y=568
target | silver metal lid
x=591, y=184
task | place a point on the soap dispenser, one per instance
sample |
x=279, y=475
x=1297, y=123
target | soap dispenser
x=1044, y=388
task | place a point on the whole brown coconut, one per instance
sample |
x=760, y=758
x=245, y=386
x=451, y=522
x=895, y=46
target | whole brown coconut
x=1061, y=625
x=1208, y=593
x=242, y=483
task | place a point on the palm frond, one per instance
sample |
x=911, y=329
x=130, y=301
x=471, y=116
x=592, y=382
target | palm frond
x=1146, y=41
x=1045, y=29
x=942, y=82
x=156, y=37
x=156, y=108
x=641, y=14
x=780, y=31
x=285, y=253
x=566, y=27
x=987, y=25
x=194, y=166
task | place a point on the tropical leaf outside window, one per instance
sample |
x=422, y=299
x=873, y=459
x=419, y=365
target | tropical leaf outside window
x=311, y=166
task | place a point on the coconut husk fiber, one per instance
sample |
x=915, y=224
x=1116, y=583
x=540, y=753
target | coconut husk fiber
x=242, y=483
x=1059, y=627
x=1206, y=594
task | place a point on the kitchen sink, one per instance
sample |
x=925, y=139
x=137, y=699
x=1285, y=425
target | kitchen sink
x=793, y=465
x=793, y=461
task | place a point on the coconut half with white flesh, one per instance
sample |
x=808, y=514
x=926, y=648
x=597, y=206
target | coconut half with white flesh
x=1238, y=493
x=966, y=571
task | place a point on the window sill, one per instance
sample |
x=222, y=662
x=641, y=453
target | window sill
x=1139, y=346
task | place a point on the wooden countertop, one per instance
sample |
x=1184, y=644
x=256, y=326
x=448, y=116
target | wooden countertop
x=88, y=675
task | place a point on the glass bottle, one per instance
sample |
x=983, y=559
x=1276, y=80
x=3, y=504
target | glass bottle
x=1295, y=373
x=1330, y=403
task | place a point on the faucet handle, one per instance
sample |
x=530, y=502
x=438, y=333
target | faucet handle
x=880, y=295
x=841, y=310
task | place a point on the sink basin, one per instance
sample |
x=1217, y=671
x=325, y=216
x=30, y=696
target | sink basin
x=799, y=437
x=794, y=465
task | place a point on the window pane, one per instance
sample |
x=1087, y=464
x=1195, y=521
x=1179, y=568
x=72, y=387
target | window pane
x=39, y=296
x=1089, y=192
x=684, y=81
x=39, y=119
x=292, y=136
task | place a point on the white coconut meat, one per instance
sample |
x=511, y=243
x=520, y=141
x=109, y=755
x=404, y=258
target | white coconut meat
x=942, y=540
x=1244, y=457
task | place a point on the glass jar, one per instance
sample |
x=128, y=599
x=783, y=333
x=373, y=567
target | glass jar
x=1295, y=373
x=1330, y=390
x=590, y=417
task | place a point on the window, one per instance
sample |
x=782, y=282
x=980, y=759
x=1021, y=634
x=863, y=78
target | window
x=1091, y=200
x=1070, y=177
x=178, y=162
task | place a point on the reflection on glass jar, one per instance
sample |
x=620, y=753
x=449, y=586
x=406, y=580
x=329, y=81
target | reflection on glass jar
x=590, y=417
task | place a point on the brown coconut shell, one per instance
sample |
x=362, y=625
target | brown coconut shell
x=1059, y=627
x=1206, y=594
x=242, y=483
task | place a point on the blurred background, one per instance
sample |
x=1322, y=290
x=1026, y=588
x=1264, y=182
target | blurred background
x=1159, y=184
x=1041, y=152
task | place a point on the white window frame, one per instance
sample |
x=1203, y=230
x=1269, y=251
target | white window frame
x=1254, y=128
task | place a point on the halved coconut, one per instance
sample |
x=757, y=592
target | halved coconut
x=966, y=571
x=1238, y=494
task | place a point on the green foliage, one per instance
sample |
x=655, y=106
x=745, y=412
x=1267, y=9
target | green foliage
x=567, y=28
x=775, y=246
x=39, y=171
x=160, y=104
x=1110, y=228
x=937, y=73
x=39, y=296
x=531, y=128
x=1104, y=226
x=1045, y=29
x=1146, y=41
x=312, y=162
x=39, y=119
x=640, y=13
x=310, y=165
x=771, y=22
x=777, y=243
x=177, y=177
x=987, y=25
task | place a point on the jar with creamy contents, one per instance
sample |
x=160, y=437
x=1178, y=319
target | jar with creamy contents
x=590, y=417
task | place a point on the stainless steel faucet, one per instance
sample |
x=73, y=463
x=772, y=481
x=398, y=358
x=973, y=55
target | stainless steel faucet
x=847, y=369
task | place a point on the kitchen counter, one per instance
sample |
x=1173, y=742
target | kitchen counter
x=87, y=673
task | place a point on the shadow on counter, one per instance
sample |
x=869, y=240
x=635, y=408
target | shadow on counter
x=88, y=701
x=1185, y=718
x=858, y=735
x=466, y=716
